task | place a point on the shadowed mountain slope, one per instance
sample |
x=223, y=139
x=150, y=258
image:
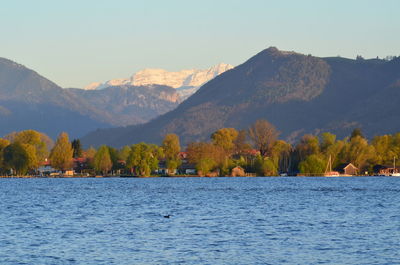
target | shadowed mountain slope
x=30, y=101
x=298, y=93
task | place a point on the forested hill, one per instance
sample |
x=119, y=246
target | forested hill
x=297, y=93
x=30, y=101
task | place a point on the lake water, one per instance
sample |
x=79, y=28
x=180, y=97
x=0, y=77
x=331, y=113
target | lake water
x=213, y=221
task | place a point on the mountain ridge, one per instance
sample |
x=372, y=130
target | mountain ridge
x=31, y=101
x=298, y=93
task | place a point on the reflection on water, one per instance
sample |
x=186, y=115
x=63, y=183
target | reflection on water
x=212, y=221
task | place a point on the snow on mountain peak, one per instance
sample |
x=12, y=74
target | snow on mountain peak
x=92, y=86
x=160, y=77
x=181, y=80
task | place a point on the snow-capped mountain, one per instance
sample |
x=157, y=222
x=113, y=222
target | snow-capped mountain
x=186, y=81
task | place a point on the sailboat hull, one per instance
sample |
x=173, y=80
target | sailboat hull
x=331, y=174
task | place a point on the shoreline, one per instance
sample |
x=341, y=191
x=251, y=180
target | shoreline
x=181, y=176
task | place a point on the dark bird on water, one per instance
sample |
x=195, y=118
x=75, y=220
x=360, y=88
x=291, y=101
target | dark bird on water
x=167, y=216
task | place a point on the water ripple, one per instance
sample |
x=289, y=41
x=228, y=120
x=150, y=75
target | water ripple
x=212, y=221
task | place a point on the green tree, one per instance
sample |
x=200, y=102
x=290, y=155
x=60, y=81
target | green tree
x=225, y=138
x=265, y=166
x=102, y=160
x=123, y=153
x=33, y=161
x=263, y=135
x=77, y=147
x=3, y=144
x=330, y=147
x=206, y=156
x=205, y=165
x=327, y=140
x=39, y=151
x=171, y=148
x=281, y=156
x=143, y=158
x=358, y=152
x=113, y=156
x=385, y=149
x=89, y=155
x=61, y=154
x=16, y=158
x=309, y=145
x=313, y=164
x=396, y=144
x=334, y=152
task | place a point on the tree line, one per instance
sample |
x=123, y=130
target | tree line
x=256, y=149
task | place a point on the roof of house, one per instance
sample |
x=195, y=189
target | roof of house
x=343, y=166
x=80, y=159
x=350, y=165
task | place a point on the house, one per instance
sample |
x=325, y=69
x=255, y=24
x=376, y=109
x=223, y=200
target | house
x=386, y=170
x=46, y=170
x=163, y=170
x=248, y=155
x=80, y=164
x=69, y=173
x=238, y=172
x=183, y=156
x=187, y=169
x=347, y=169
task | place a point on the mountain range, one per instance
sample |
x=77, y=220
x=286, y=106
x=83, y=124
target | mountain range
x=298, y=93
x=30, y=101
x=186, y=82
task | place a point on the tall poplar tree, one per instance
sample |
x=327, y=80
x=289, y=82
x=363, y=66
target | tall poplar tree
x=171, y=148
x=76, y=145
x=102, y=160
x=61, y=154
x=3, y=144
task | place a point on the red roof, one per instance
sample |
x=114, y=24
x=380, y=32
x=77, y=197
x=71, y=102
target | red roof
x=183, y=155
x=253, y=152
x=80, y=159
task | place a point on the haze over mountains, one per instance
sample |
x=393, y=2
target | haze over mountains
x=30, y=101
x=298, y=93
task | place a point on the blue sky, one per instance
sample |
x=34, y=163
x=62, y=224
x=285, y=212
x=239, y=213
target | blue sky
x=74, y=43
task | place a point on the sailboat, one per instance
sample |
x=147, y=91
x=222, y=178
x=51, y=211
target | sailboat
x=394, y=173
x=328, y=171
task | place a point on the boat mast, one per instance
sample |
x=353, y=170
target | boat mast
x=329, y=165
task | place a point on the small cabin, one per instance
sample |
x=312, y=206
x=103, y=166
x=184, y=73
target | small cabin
x=348, y=169
x=238, y=172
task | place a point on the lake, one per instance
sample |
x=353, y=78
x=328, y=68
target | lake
x=212, y=221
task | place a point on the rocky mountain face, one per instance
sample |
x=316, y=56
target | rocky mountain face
x=186, y=82
x=298, y=93
x=127, y=105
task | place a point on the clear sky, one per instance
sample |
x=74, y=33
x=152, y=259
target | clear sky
x=76, y=42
